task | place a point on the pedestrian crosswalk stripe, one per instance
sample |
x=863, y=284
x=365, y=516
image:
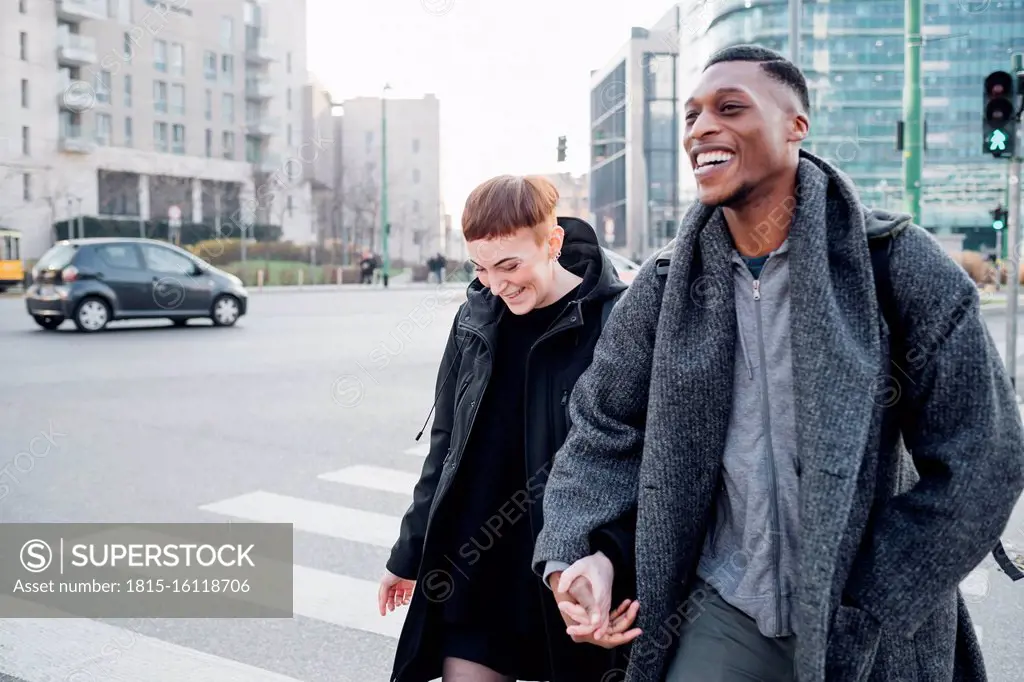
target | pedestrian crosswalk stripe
x=80, y=650
x=375, y=478
x=310, y=516
x=419, y=450
x=345, y=601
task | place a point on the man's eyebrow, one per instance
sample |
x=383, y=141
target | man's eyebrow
x=720, y=91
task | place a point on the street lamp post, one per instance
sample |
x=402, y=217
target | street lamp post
x=913, y=144
x=384, y=226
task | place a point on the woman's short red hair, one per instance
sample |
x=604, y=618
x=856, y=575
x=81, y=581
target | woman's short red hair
x=507, y=203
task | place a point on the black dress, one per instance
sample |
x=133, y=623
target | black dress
x=493, y=616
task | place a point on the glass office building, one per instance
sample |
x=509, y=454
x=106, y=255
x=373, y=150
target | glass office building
x=852, y=54
x=635, y=142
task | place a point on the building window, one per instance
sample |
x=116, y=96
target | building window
x=209, y=143
x=227, y=33
x=178, y=132
x=178, y=99
x=26, y=186
x=289, y=134
x=103, y=87
x=160, y=97
x=227, y=67
x=416, y=145
x=24, y=93
x=415, y=206
x=24, y=46
x=129, y=50
x=26, y=137
x=288, y=62
x=127, y=89
x=209, y=105
x=227, y=105
x=104, y=129
x=228, y=142
x=288, y=97
x=23, y=6
x=160, y=136
x=177, y=59
x=416, y=176
x=291, y=206
x=210, y=65
x=128, y=132
x=160, y=55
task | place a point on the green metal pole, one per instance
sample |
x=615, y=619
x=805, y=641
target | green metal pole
x=384, y=185
x=912, y=132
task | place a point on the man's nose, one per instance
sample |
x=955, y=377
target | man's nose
x=705, y=124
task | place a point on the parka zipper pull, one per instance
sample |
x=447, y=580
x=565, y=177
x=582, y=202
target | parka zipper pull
x=565, y=397
x=757, y=290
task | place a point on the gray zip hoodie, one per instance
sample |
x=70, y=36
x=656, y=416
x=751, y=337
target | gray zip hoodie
x=750, y=549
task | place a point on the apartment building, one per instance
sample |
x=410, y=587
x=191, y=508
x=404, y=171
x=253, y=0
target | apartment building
x=413, y=151
x=130, y=111
x=320, y=159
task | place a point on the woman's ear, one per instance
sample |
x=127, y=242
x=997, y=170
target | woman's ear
x=555, y=238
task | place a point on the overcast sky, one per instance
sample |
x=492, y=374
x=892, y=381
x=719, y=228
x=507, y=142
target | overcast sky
x=511, y=75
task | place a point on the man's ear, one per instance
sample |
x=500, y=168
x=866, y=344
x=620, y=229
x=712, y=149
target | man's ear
x=800, y=126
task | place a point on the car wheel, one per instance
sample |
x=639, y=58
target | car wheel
x=225, y=311
x=92, y=314
x=48, y=321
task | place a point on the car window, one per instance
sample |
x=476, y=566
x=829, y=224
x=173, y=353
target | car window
x=166, y=261
x=57, y=257
x=122, y=256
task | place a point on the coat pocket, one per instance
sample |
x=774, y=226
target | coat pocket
x=852, y=645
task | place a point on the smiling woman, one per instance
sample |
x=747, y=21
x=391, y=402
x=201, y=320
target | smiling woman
x=518, y=345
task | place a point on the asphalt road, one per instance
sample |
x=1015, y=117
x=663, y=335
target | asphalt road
x=306, y=412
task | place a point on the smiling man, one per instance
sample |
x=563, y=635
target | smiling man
x=816, y=452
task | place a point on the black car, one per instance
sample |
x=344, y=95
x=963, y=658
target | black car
x=95, y=281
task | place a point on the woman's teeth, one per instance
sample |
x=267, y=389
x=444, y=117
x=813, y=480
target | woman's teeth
x=516, y=292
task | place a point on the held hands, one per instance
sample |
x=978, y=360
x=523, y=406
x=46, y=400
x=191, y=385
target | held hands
x=583, y=592
x=393, y=592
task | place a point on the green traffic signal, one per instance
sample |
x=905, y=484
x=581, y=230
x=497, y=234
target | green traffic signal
x=997, y=225
x=997, y=142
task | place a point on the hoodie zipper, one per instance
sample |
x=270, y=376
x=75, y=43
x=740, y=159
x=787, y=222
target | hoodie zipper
x=773, y=475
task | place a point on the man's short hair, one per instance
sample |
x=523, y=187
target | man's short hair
x=507, y=203
x=772, y=63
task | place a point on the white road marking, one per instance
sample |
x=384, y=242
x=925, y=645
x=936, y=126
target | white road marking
x=374, y=478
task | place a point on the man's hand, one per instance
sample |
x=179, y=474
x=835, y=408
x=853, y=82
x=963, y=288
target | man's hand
x=616, y=634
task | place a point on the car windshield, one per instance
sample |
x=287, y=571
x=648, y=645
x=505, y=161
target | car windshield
x=57, y=257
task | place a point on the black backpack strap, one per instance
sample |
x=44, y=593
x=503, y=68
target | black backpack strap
x=880, y=249
x=606, y=309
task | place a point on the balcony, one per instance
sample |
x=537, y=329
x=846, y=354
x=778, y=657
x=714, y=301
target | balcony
x=75, y=11
x=262, y=126
x=74, y=141
x=259, y=51
x=75, y=95
x=76, y=50
x=259, y=89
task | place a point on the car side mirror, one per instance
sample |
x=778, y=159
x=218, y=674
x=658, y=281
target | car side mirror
x=198, y=269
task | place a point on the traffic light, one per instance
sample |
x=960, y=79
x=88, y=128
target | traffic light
x=999, y=215
x=1000, y=119
x=561, y=148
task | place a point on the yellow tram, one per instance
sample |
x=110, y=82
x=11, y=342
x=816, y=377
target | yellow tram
x=12, y=272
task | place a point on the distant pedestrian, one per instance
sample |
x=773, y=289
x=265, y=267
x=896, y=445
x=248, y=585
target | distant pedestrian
x=517, y=345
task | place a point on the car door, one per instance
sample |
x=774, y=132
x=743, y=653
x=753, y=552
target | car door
x=177, y=285
x=119, y=265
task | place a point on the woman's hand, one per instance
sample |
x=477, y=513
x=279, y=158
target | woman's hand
x=393, y=592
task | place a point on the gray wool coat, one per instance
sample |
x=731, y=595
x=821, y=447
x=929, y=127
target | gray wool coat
x=888, y=526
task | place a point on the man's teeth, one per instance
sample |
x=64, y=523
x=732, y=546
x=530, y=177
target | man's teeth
x=704, y=158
